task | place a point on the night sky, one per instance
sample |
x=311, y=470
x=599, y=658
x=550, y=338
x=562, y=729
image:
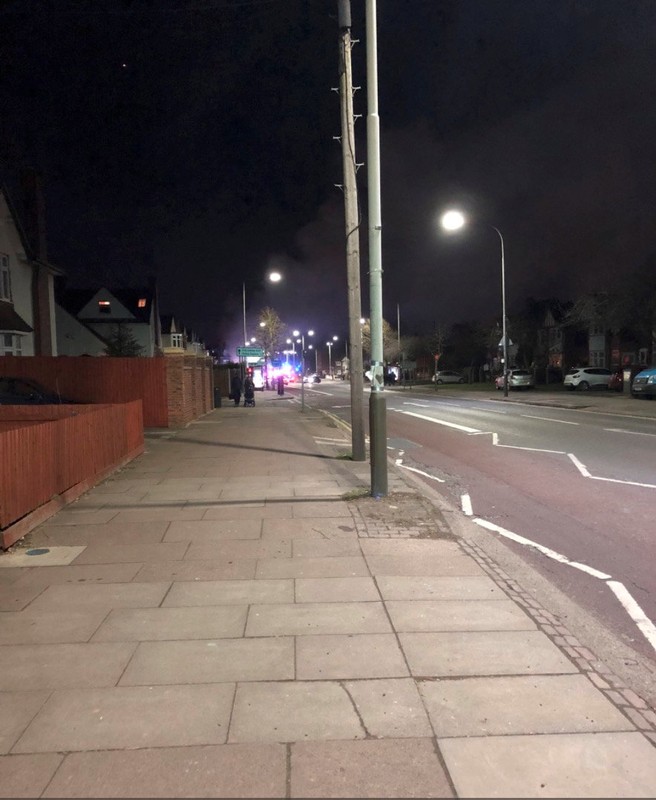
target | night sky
x=194, y=140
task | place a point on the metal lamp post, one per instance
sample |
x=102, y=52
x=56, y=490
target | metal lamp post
x=302, y=341
x=330, y=354
x=453, y=221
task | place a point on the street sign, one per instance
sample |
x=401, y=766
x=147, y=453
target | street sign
x=250, y=352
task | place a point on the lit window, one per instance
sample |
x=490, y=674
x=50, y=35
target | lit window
x=176, y=340
x=5, y=278
x=142, y=302
x=104, y=307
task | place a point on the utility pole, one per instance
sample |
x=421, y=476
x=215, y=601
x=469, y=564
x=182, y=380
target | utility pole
x=352, y=231
x=377, y=402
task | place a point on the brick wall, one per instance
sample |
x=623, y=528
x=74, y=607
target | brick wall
x=189, y=387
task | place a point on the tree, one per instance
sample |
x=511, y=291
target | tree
x=271, y=330
x=122, y=342
x=390, y=340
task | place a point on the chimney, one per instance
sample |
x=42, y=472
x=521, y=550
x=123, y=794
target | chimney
x=34, y=213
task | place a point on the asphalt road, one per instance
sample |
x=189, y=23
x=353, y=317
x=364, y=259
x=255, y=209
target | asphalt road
x=579, y=483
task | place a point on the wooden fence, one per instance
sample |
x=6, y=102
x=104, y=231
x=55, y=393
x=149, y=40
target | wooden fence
x=51, y=454
x=174, y=389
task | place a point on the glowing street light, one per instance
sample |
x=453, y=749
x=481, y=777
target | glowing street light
x=330, y=354
x=454, y=220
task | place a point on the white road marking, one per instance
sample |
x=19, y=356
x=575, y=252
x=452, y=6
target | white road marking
x=547, y=551
x=421, y=405
x=632, y=433
x=442, y=422
x=465, y=499
x=581, y=467
x=418, y=471
x=346, y=406
x=632, y=608
x=549, y=419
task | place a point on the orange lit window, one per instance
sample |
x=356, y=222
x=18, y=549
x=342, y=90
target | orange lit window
x=104, y=307
x=142, y=302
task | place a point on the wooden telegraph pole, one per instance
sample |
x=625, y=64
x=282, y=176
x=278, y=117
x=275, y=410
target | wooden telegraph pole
x=352, y=231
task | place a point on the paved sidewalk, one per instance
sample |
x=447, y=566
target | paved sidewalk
x=232, y=616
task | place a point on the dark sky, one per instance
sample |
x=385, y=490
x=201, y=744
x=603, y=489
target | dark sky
x=194, y=140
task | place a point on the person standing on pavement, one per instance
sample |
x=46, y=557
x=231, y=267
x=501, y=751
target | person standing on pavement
x=281, y=384
x=235, y=387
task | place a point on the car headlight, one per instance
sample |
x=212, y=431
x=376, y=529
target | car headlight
x=651, y=379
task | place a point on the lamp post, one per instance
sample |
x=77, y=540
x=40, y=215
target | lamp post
x=330, y=354
x=453, y=221
x=275, y=277
x=302, y=341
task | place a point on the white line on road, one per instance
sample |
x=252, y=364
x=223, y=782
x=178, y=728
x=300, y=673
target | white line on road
x=419, y=472
x=634, y=611
x=421, y=405
x=547, y=551
x=442, y=422
x=465, y=499
x=549, y=419
x=346, y=406
x=581, y=467
x=586, y=474
x=632, y=433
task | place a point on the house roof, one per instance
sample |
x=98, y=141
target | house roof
x=11, y=321
x=74, y=300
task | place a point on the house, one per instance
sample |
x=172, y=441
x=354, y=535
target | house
x=27, y=307
x=176, y=336
x=89, y=320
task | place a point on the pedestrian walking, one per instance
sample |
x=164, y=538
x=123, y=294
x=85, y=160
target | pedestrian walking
x=235, y=387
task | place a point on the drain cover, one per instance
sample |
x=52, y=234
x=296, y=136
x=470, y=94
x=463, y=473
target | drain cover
x=37, y=551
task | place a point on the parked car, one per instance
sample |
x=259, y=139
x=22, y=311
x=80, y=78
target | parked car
x=585, y=378
x=644, y=383
x=24, y=391
x=447, y=376
x=517, y=379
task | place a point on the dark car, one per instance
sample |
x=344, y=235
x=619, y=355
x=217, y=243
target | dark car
x=23, y=391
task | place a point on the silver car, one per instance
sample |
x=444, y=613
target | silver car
x=517, y=379
x=584, y=378
x=448, y=376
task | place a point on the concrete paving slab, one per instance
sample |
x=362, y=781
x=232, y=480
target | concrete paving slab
x=483, y=653
x=390, y=708
x=101, y=596
x=217, y=593
x=16, y=598
x=334, y=508
x=322, y=548
x=270, y=509
x=239, y=549
x=445, y=588
x=458, y=615
x=162, y=624
x=389, y=768
x=293, y=711
x=256, y=493
x=27, y=776
x=69, y=516
x=329, y=567
x=429, y=565
x=318, y=491
x=159, y=512
x=567, y=765
x=224, y=771
x=109, y=533
x=367, y=655
x=89, y=574
x=209, y=530
x=63, y=666
x=197, y=570
x=519, y=704
x=291, y=619
x=130, y=717
x=39, y=557
x=49, y=627
x=103, y=553
x=212, y=661
x=335, y=590
x=306, y=528
x=17, y=709
x=423, y=548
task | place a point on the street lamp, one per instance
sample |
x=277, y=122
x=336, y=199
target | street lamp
x=453, y=221
x=274, y=277
x=330, y=354
x=302, y=341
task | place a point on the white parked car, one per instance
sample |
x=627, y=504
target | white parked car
x=584, y=378
x=447, y=376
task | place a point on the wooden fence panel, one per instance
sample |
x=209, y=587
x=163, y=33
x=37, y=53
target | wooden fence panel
x=51, y=449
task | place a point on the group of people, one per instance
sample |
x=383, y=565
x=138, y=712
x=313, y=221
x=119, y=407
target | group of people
x=236, y=387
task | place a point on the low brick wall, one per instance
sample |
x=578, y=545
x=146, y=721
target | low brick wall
x=189, y=388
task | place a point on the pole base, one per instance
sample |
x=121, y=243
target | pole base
x=378, y=443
